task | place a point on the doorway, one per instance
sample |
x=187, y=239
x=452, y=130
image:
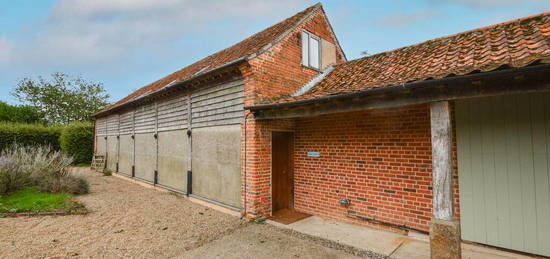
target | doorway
x=282, y=170
x=282, y=179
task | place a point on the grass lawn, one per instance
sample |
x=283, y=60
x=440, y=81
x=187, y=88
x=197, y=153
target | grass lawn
x=30, y=199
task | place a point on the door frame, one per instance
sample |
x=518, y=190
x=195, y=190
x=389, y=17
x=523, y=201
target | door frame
x=271, y=168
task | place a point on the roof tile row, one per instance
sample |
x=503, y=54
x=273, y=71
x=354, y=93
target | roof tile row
x=516, y=43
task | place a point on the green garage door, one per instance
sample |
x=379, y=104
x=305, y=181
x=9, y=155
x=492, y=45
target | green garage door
x=503, y=148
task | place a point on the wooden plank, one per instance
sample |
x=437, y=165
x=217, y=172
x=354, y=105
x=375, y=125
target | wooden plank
x=217, y=123
x=540, y=166
x=501, y=175
x=441, y=160
x=509, y=162
x=217, y=100
x=220, y=105
x=239, y=84
x=514, y=174
x=112, y=125
x=527, y=173
x=477, y=116
x=488, y=164
x=225, y=92
x=545, y=228
x=462, y=113
x=227, y=110
x=126, y=122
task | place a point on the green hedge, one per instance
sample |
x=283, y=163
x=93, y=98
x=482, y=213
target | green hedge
x=77, y=140
x=29, y=135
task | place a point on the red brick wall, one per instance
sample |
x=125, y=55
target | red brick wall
x=380, y=159
x=279, y=71
x=256, y=175
x=275, y=73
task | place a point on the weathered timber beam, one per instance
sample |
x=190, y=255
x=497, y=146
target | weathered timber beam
x=442, y=177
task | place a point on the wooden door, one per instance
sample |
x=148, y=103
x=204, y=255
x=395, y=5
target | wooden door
x=503, y=148
x=281, y=170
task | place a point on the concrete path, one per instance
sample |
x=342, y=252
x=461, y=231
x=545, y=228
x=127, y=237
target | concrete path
x=384, y=243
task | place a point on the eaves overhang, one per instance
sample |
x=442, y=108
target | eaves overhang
x=505, y=80
x=174, y=85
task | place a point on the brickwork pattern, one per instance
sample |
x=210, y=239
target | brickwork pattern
x=379, y=159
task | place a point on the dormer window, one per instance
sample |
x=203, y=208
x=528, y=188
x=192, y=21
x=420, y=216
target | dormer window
x=311, y=50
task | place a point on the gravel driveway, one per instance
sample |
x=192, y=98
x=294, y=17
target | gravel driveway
x=129, y=220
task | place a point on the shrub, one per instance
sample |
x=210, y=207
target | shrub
x=28, y=135
x=19, y=113
x=67, y=184
x=107, y=172
x=27, y=166
x=12, y=175
x=77, y=140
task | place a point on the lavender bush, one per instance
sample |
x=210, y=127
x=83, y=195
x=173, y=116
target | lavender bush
x=12, y=175
x=40, y=166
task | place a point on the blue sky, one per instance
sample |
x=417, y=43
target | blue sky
x=126, y=44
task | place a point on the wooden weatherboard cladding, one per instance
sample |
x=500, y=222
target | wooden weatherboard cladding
x=503, y=146
x=172, y=113
x=101, y=127
x=218, y=105
x=221, y=104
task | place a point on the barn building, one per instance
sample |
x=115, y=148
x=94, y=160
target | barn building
x=449, y=137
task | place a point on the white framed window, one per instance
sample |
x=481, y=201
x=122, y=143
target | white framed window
x=311, y=50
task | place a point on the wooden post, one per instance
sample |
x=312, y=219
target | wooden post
x=442, y=161
x=445, y=239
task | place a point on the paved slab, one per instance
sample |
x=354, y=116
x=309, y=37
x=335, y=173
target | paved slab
x=384, y=242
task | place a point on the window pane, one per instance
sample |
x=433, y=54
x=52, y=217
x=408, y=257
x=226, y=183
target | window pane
x=314, y=52
x=305, y=49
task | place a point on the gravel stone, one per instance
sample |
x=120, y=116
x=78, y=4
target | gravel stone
x=127, y=220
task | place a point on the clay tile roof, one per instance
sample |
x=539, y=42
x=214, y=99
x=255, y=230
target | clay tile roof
x=243, y=49
x=516, y=43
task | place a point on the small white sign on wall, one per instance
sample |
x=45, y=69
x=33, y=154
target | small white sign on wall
x=314, y=154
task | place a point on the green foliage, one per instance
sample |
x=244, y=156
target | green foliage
x=29, y=135
x=38, y=166
x=77, y=140
x=18, y=113
x=31, y=199
x=67, y=184
x=107, y=172
x=22, y=166
x=62, y=99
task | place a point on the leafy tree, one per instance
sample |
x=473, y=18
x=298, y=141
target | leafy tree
x=62, y=99
x=19, y=113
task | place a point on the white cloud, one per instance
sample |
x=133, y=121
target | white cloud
x=95, y=33
x=399, y=19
